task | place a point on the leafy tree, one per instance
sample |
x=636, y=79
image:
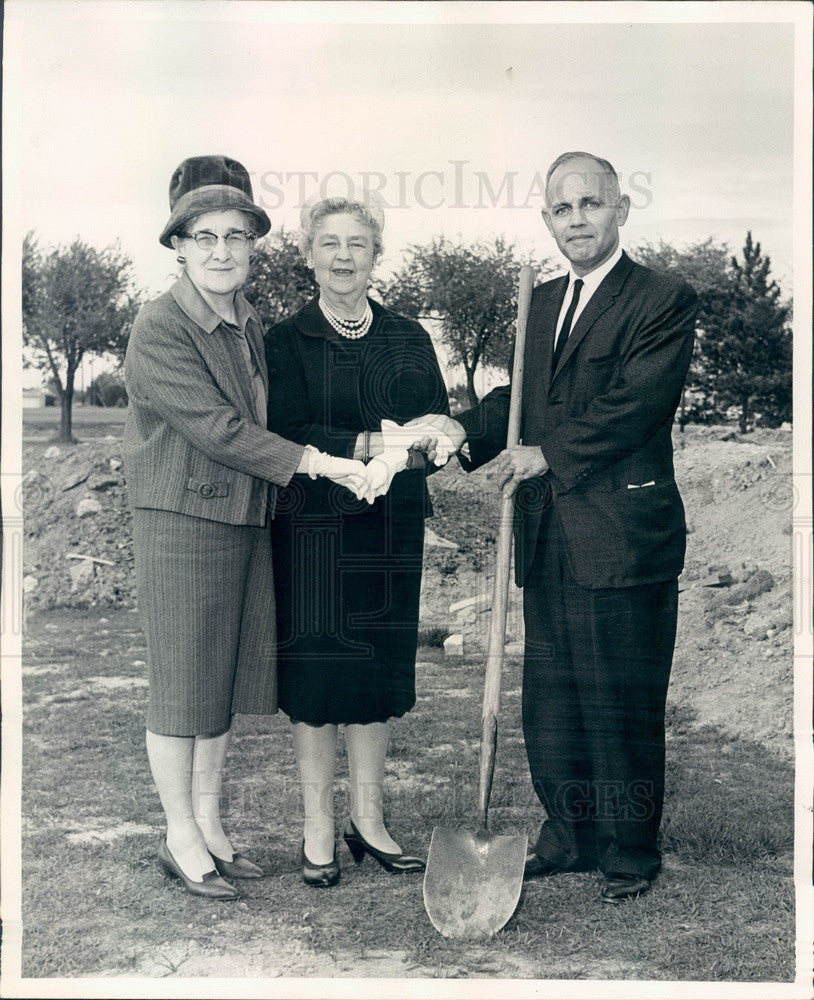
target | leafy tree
x=743, y=355
x=706, y=265
x=471, y=290
x=279, y=283
x=107, y=389
x=77, y=300
x=749, y=359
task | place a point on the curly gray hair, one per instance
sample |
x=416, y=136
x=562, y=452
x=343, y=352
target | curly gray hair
x=312, y=220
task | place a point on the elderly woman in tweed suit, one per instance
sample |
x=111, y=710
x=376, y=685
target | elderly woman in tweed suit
x=202, y=475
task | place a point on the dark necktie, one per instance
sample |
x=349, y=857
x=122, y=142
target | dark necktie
x=566, y=324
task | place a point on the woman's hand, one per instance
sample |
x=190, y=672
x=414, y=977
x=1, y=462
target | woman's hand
x=393, y=458
x=346, y=472
x=375, y=445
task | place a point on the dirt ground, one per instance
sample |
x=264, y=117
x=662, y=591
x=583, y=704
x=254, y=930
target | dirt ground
x=95, y=903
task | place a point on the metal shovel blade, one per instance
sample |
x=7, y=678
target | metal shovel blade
x=473, y=881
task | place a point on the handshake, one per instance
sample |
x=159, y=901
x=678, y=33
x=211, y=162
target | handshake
x=438, y=436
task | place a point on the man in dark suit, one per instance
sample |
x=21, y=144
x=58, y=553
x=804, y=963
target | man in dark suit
x=599, y=531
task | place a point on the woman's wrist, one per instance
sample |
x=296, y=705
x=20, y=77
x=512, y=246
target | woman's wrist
x=368, y=445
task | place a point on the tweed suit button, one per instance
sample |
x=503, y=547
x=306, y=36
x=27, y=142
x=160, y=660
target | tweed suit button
x=206, y=490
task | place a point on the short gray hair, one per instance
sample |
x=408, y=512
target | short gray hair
x=339, y=206
x=606, y=167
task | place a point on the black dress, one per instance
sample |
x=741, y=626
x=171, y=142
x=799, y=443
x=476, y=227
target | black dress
x=348, y=574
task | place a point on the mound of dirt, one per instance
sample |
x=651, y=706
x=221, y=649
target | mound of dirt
x=78, y=545
x=734, y=662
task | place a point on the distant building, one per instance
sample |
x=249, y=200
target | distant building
x=35, y=394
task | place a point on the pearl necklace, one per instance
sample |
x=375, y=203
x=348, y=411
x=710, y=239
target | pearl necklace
x=351, y=329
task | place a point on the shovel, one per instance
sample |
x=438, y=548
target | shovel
x=473, y=880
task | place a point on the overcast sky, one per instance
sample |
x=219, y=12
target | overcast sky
x=104, y=100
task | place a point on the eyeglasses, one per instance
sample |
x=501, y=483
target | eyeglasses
x=236, y=240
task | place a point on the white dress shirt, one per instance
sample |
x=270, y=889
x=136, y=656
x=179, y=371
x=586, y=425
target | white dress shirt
x=591, y=281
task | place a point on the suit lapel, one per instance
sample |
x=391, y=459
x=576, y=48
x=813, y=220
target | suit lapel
x=255, y=338
x=600, y=302
x=219, y=348
x=538, y=359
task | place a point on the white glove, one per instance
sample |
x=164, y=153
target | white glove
x=382, y=467
x=344, y=471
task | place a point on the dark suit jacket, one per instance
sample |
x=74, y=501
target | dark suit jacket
x=603, y=421
x=192, y=439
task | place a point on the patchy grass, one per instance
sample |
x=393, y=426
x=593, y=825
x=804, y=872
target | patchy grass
x=433, y=636
x=723, y=908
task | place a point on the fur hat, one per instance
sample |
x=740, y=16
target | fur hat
x=209, y=184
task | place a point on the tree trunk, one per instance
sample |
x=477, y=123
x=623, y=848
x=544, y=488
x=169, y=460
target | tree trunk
x=744, y=417
x=66, y=417
x=470, y=386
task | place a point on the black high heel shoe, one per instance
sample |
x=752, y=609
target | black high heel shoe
x=319, y=876
x=394, y=863
x=212, y=886
x=238, y=867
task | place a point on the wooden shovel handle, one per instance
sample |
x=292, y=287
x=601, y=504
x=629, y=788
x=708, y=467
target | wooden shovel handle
x=503, y=562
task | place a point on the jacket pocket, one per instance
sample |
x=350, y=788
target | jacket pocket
x=606, y=359
x=625, y=537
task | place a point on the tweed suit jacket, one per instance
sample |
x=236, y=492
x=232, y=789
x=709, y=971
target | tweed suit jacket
x=193, y=441
x=603, y=420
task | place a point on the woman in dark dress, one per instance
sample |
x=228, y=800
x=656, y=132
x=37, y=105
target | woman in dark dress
x=348, y=572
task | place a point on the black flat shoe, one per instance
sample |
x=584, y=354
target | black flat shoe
x=319, y=876
x=238, y=867
x=622, y=887
x=395, y=863
x=211, y=886
x=537, y=867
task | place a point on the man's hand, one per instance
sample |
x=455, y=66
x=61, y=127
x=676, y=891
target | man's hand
x=513, y=465
x=451, y=435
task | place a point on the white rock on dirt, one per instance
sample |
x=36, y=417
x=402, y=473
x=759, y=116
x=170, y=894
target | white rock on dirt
x=88, y=506
x=75, y=480
x=436, y=541
x=30, y=584
x=454, y=645
x=52, y=452
x=758, y=626
x=81, y=574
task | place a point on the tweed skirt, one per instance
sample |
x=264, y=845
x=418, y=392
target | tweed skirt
x=206, y=603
